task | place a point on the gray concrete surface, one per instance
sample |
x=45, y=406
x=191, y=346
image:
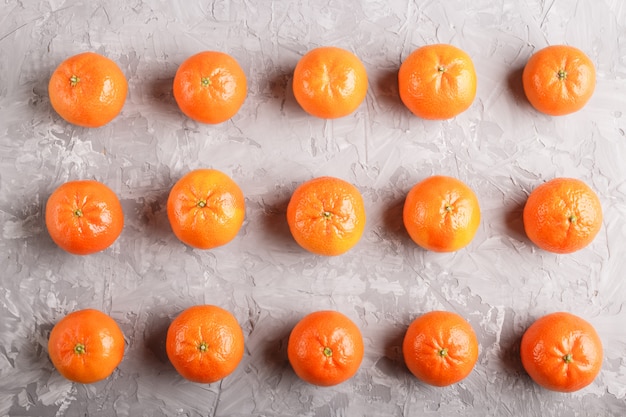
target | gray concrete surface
x=501, y=147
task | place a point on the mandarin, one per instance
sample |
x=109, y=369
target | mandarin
x=210, y=87
x=441, y=214
x=205, y=343
x=562, y=215
x=86, y=346
x=329, y=82
x=326, y=216
x=437, y=81
x=561, y=352
x=440, y=348
x=325, y=348
x=559, y=80
x=88, y=90
x=84, y=217
x=206, y=208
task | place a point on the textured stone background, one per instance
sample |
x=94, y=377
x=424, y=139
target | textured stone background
x=501, y=147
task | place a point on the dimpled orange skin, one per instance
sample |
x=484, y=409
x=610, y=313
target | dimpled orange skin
x=559, y=80
x=561, y=352
x=325, y=348
x=210, y=87
x=441, y=214
x=437, y=82
x=86, y=346
x=205, y=343
x=88, y=90
x=326, y=216
x=562, y=215
x=440, y=348
x=329, y=82
x=206, y=208
x=84, y=217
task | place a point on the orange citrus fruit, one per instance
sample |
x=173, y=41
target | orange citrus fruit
x=329, y=82
x=440, y=348
x=205, y=343
x=559, y=80
x=441, y=214
x=437, y=81
x=210, y=87
x=562, y=215
x=206, y=208
x=325, y=348
x=88, y=90
x=86, y=346
x=326, y=216
x=84, y=217
x=561, y=352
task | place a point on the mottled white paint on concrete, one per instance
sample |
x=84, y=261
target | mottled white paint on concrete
x=501, y=147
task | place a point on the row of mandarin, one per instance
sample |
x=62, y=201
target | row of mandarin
x=325, y=215
x=434, y=82
x=440, y=213
x=205, y=343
